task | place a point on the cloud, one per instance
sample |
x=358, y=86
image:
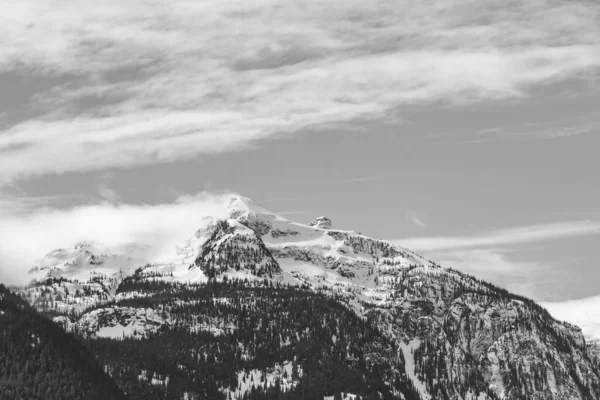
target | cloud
x=160, y=81
x=496, y=256
x=502, y=237
x=556, y=128
x=20, y=204
x=584, y=313
x=496, y=265
x=27, y=236
x=475, y=259
x=107, y=193
x=415, y=218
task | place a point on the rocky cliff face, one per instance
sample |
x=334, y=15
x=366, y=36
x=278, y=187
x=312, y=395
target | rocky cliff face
x=234, y=247
x=460, y=338
x=322, y=222
x=474, y=337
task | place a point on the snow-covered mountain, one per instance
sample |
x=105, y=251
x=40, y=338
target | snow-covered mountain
x=82, y=276
x=458, y=337
x=313, y=253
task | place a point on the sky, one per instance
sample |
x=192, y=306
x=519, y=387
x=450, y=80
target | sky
x=467, y=131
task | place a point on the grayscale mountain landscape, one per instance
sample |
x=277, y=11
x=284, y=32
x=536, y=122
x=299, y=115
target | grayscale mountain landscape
x=298, y=200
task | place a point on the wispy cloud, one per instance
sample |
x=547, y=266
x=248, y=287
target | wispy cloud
x=20, y=204
x=158, y=81
x=502, y=266
x=503, y=237
x=496, y=255
x=107, y=193
x=104, y=190
x=554, y=128
x=498, y=265
x=415, y=218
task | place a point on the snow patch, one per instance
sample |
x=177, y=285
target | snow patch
x=496, y=383
x=153, y=378
x=246, y=380
x=409, y=365
x=345, y=396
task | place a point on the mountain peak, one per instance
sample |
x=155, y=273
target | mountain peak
x=240, y=205
x=83, y=245
x=321, y=222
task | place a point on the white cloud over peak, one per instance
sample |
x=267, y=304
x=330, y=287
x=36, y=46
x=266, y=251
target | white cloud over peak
x=158, y=81
x=28, y=235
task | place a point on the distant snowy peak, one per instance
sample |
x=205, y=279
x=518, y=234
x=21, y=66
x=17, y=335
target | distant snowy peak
x=241, y=207
x=256, y=241
x=322, y=222
x=68, y=261
x=252, y=215
x=86, y=244
x=252, y=241
x=88, y=257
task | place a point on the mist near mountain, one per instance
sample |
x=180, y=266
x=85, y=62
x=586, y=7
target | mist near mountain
x=145, y=231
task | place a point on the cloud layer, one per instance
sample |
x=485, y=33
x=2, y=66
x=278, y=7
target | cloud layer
x=495, y=255
x=156, y=81
x=584, y=313
x=27, y=236
x=503, y=237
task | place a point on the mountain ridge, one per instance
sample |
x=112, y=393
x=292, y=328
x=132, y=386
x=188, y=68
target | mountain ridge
x=483, y=339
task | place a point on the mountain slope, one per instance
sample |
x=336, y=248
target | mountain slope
x=38, y=360
x=246, y=340
x=458, y=337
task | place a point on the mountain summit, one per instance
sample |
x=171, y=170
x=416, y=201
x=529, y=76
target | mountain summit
x=322, y=222
x=453, y=336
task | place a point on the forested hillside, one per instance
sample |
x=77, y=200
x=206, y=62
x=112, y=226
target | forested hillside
x=38, y=360
x=248, y=340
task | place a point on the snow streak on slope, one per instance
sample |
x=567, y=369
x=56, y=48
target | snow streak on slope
x=407, y=352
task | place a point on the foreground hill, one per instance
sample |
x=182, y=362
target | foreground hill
x=243, y=283
x=38, y=360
